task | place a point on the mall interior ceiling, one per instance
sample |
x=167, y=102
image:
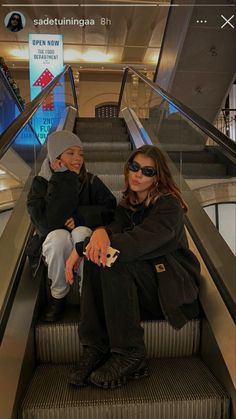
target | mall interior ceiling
x=95, y=36
x=192, y=45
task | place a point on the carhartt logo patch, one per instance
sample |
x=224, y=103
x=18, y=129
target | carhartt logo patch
x=160, y=267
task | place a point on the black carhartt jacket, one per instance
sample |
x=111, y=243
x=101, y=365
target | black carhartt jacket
x=156, y=233
x=51, y=202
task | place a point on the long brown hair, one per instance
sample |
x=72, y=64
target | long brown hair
x=165, y=183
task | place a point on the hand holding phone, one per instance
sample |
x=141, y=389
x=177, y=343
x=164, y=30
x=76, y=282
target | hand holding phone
x=112, y=255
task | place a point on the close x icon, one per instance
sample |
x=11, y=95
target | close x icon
x=227, y=21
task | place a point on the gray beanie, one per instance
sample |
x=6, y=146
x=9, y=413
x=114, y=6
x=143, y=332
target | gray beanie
x=59, y=141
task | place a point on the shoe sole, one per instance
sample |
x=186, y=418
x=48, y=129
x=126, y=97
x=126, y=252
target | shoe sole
x=86, y=380
x=136, y=375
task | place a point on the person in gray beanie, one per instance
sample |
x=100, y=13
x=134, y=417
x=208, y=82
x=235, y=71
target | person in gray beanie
x=65, y=204
x=59, y=141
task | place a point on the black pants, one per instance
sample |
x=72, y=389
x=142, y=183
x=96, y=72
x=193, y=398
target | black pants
x=112, y=302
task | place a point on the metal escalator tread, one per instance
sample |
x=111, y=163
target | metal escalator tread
x=161, y=340
x=105, y=138
x=105, y=156
x=176, y=388
x=105, y=168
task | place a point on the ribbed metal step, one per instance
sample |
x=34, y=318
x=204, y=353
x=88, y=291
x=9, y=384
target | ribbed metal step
x=113, y=182
x=106, y=122
x=203, y=170
x=182, y=136
x=105, y=137
x=193, y=156
x=180, y=388
x=179, y=146
x=99, y=129
x=59, y=342
x=189, y=169
x=106, y=145
x=104, y=155
x=177, y=130
x=105, y=168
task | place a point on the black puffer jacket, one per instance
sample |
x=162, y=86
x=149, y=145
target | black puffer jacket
x=51, y=202
x=156, y=233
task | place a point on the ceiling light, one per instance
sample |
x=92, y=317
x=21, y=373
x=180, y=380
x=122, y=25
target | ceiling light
x=96, y=56
x=71, y=55
x=154, y=58
x=20, y=53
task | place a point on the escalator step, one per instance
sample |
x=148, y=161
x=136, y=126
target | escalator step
x=105, y=156
x=107, y=146
x=99, y=129
x=105, y=168
x=109, y=122
x=176, y=388
x=203, y=170
x=59, y=342
x=105, y=137
x=113, y=182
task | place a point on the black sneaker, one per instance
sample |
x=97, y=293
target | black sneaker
x=91, y=359
x=54, y=309
x=120, y=368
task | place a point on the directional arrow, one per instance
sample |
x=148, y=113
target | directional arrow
x=43, y=80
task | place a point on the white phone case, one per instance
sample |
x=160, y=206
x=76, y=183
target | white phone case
x=112, y=255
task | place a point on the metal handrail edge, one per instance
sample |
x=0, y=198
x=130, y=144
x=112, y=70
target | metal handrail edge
x=17, y=103
x=192, y=116
x=8, y=136
x=10, y=91
x=220, y=284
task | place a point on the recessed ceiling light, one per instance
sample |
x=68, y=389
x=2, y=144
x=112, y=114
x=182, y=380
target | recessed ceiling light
x=96, y=56
x=20, y=53
x=71, y=55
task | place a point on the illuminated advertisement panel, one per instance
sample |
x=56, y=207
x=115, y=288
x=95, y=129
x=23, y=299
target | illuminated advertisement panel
x=46, y=62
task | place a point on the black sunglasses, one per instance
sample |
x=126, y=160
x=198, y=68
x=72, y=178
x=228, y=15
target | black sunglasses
x=148, y=171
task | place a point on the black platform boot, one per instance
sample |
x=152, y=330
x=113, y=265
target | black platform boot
x=91, y=359
x=120, y=368
x=54, y=309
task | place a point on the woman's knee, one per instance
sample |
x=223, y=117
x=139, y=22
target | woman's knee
x=57, y=240
x=80, y=233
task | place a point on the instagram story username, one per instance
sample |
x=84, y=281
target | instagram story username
x=72, y=22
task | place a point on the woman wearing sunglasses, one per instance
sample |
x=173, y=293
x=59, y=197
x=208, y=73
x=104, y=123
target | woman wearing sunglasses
x=154, y=276
x=15, y=22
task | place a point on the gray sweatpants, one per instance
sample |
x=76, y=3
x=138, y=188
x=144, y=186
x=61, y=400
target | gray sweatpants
x=56, y=249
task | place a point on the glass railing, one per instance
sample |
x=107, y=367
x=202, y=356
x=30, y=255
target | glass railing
x=9, y=106
x=184, y=135
x=20, y=145
x=181, y=133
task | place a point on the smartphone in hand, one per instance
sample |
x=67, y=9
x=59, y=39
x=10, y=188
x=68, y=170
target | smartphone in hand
x=112, y=255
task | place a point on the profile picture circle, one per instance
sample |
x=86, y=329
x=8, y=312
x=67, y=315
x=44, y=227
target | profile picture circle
x=14, y=21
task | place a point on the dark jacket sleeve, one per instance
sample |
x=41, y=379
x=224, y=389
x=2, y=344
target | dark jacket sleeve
x=157, y=235
x=100, y=210
x=120, y=223
x=51, y=203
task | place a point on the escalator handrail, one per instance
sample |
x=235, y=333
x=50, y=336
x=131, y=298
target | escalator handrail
x=10, y=90
x=15, y=100
x=8, y=136
x=205, y=126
